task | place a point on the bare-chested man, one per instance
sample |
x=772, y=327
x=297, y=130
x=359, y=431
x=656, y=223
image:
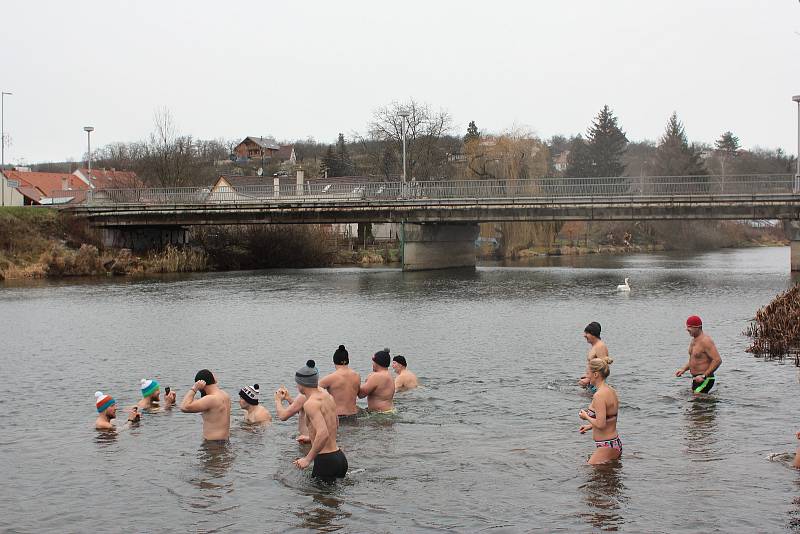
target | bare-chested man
x=254, y=413
x=379, y=386
x=405, y=379
x=343, y=384
x=597, y=349
x=320, y=408
x=214, y=404
x=107, y=412
x=704, y=359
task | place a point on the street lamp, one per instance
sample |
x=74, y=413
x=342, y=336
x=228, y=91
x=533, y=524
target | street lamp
x=796, y=98
x=3, y=142
x=89, y=130
x=404, y=115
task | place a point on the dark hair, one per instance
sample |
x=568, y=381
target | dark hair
x=206, y=376
x=593, y=328
x=401, y=360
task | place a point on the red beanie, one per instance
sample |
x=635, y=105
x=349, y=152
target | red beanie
x=694, y=321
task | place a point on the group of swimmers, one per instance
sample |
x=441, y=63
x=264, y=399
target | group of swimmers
x=320, y=404
x=601, y=415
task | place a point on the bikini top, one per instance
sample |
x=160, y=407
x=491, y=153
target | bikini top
x=591, y=413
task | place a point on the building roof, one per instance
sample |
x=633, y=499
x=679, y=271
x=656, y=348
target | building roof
x=263, y=142
x=110, y=178
x=47, y=182
x=31, y=193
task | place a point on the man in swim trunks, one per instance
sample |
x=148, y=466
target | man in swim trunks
x=343, y=384
x=214, y=404
x=597, y=349
x=330, y=462
x=254, y=413
x=379, y=386
x=704, y=359
x=405, y=379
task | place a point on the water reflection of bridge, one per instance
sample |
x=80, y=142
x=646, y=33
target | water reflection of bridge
x=440, y=217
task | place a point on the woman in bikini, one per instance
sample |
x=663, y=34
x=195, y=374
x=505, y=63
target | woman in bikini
x=602, y=413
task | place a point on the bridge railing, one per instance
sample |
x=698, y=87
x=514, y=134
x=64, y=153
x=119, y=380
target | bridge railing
x=534, y=188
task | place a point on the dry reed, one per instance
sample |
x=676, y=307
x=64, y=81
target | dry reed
x=775, y=330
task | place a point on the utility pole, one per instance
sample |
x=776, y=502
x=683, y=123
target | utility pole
x=3, y=143
x=89, y=130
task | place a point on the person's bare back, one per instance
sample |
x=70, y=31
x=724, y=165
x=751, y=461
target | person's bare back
x=379, y=390
x=343, y=385
x=214, y=405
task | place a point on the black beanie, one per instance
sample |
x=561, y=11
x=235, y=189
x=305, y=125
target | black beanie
x=382, y=358
x=341, y=357
x=593, y=328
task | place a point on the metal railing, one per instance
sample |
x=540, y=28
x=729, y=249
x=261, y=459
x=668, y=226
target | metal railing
x=547, y=189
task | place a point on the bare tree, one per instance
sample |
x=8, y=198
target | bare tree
x=424, y=130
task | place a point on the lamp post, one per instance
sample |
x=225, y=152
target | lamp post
x=3, y=143
x=404, y=115
x=796, y=98
x=88, y=130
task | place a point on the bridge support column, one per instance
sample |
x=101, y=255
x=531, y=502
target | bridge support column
x=141, y=239
x=792, y=229
x=428, y=246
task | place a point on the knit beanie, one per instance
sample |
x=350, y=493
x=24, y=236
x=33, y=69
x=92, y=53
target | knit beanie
x=250, y=394
x=382, y=358
x=148, y=387
x=341, y=357
x=401, y=360
x=307, y=376
x=103, y=401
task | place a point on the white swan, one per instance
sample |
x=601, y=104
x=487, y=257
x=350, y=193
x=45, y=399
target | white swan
x=625, y=286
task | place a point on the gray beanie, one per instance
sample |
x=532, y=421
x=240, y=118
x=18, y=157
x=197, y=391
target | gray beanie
x=307, y=376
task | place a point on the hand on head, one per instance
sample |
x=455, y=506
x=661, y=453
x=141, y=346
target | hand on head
x=200, y=385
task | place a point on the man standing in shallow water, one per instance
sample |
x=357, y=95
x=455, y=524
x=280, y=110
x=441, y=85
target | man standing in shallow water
x=330, y=462
x=343, y=384
x=704, y=359
x=379, y=386
x=597, y=349
x=214, y=404
x=405, y=379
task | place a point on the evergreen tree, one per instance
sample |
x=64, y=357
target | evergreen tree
x=472, y=133
x=728, y=143
x=607, y=143
x=330, y=162
x=344, y=163
x=674, y=155
x=579, y=160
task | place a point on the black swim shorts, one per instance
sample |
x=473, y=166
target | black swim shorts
x=704, y=386
x=329, y=466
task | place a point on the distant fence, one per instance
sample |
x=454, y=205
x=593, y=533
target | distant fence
x=535, y=188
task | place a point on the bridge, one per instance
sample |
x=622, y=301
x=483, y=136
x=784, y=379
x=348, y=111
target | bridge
x=440, y=218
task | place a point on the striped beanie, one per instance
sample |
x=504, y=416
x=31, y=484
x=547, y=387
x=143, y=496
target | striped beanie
x=103, y=401
x=250, y=394
x=148, y=387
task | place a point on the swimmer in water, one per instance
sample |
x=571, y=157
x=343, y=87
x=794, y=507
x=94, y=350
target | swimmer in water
x=379, y=386
x=214, y=405
x=704, y=359
x=343, y=384
x=405, y=379
x=796, y=463
x=602, y=413
x=295, y=407
x=254, y=413
x=107, y=412
x=598, y=349
x=151, y=396
x=330, y=462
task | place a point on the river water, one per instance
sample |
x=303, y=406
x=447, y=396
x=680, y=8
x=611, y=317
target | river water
x=489, y=443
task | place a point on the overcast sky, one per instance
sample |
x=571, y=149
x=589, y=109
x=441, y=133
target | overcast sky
x=298, y=69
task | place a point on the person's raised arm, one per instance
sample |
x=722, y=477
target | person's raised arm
x=293, y=408
x=191, y=405
x=325, y=382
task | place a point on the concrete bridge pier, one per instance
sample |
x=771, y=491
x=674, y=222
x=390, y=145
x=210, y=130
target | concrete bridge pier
x=428, y=246
x=143, y=238
x=792, y=229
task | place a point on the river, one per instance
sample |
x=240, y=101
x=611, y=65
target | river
x=489, y=443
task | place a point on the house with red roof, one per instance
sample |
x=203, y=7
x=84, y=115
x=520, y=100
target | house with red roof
x=48, y=187
x=109, y=179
